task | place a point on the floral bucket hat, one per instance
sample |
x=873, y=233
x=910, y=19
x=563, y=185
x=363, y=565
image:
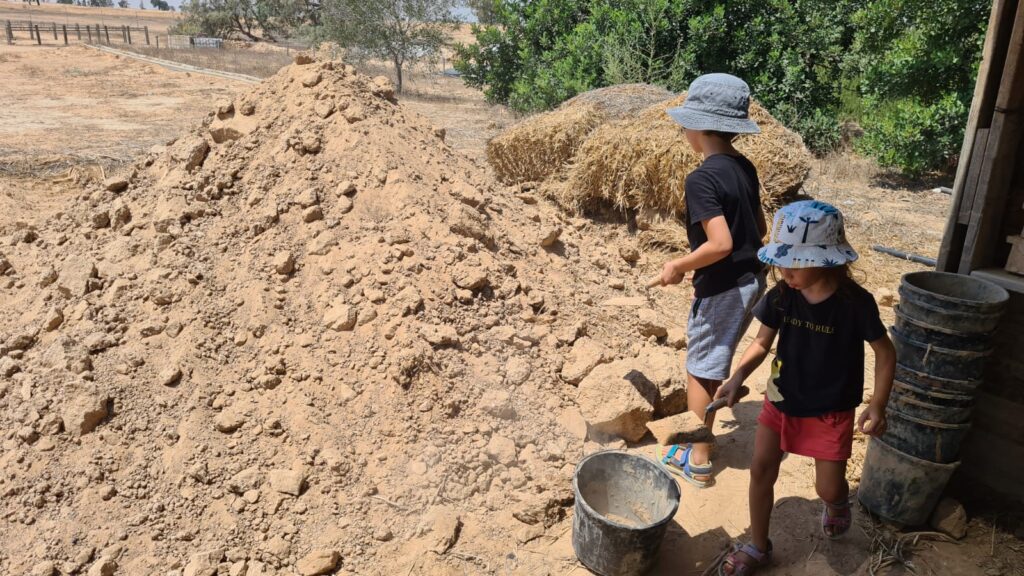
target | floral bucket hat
x=808, y=234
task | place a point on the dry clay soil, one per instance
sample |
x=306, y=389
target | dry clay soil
x=444, y=449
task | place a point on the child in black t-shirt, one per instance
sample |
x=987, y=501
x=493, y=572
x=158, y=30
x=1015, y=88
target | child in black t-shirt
x=822, y=318
x=725, y=225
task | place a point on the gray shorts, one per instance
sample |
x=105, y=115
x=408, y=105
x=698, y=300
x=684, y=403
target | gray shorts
x=716, y=325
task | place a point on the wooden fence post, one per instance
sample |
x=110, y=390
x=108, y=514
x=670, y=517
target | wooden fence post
x=146, y=30
x=106, y=31
x=88, y=29
x=78, y=30
x=157, y=41
x=64, y=29
x=10, y=33
x=39, y=39
x=128, y=30
x=54, y=30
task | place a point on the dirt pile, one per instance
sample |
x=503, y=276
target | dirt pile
x=306, y=338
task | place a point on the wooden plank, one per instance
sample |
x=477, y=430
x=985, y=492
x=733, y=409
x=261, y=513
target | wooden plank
x=991, y=61
x=984, y=231
x=971, y=180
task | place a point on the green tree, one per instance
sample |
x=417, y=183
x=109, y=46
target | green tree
x=252, y=19
x=486, y=11
x=915, y=62
x=400, y=31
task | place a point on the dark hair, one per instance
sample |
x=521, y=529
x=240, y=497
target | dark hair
x=728, y=136
x=842, y=275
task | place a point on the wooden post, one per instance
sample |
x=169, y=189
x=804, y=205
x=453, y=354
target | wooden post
x=54, y=30
x=157, y=41
x=39, y=39
x=10, y=33
x=89, y=30
x=78, y=30
x=128, y=31
x=146, y=30
x=64, y=29
x=106, y=31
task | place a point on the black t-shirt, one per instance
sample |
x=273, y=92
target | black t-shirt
x=727, y=186
x=819, y=364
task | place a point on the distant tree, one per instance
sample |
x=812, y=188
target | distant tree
x=486, y=11
x=101, y=3
x=122, y=3
x=142, y=5
x=253, y=19
x=160, y=5
x=65, y=1
x=401, y=31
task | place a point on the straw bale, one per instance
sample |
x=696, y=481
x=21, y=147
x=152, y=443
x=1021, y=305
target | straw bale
x=542, y=144
x=643, y=162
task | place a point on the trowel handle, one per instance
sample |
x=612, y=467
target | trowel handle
x=654, y=281
x=716, y=404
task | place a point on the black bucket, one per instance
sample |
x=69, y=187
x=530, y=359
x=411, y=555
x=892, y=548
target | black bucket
x=947, y=385
x=953, y=301
x=938, y=361
x=623, y=506
x=899, y=487
x=931, y=405
x=925, y=439
x=919, y=331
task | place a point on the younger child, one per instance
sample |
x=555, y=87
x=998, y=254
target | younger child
x=725, y=225
x=822, y=318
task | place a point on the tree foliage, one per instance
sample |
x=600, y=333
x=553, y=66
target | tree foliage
x=486, y=11
x=398, y=31
x=251, y=19
x=805, y=60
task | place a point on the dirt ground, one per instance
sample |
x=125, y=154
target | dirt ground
x=74, y=110
x=110, y=109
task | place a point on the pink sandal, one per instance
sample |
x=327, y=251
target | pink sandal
x=835, y=526
x=746, y=566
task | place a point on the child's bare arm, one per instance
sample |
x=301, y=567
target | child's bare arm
x=752, y=358
x=872, y=420
x=718, y=246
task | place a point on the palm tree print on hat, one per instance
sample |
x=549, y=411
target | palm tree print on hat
x=808, y=221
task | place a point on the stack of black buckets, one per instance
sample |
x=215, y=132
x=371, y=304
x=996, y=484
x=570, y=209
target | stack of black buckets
x=943, y=333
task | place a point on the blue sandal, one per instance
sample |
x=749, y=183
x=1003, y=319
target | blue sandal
x=682, y=466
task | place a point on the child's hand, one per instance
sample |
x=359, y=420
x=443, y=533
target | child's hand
x=730, y=389
x=671, y=275
x=872, y=420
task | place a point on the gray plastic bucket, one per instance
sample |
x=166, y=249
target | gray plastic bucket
x=953, y=301
x=938, y=361
x=931, y=405
x=925, y=381
x=623, y=506
x=899, y=487
x=921, y=438
x=941, y=336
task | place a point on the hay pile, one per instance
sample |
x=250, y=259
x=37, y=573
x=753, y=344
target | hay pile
x=541, y=145
x=643, y=161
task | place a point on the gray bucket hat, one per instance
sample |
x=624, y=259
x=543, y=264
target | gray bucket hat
x=717, y=102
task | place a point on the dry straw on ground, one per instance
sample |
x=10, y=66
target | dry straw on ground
x=643, y=161
x=541, y=145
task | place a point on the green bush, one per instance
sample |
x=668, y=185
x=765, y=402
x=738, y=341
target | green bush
x=914, y=137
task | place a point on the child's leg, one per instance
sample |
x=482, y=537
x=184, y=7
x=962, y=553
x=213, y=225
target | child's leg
x=699, y=393
x=832, y=487
x=764, y=471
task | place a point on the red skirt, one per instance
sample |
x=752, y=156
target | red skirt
x=825, y=437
